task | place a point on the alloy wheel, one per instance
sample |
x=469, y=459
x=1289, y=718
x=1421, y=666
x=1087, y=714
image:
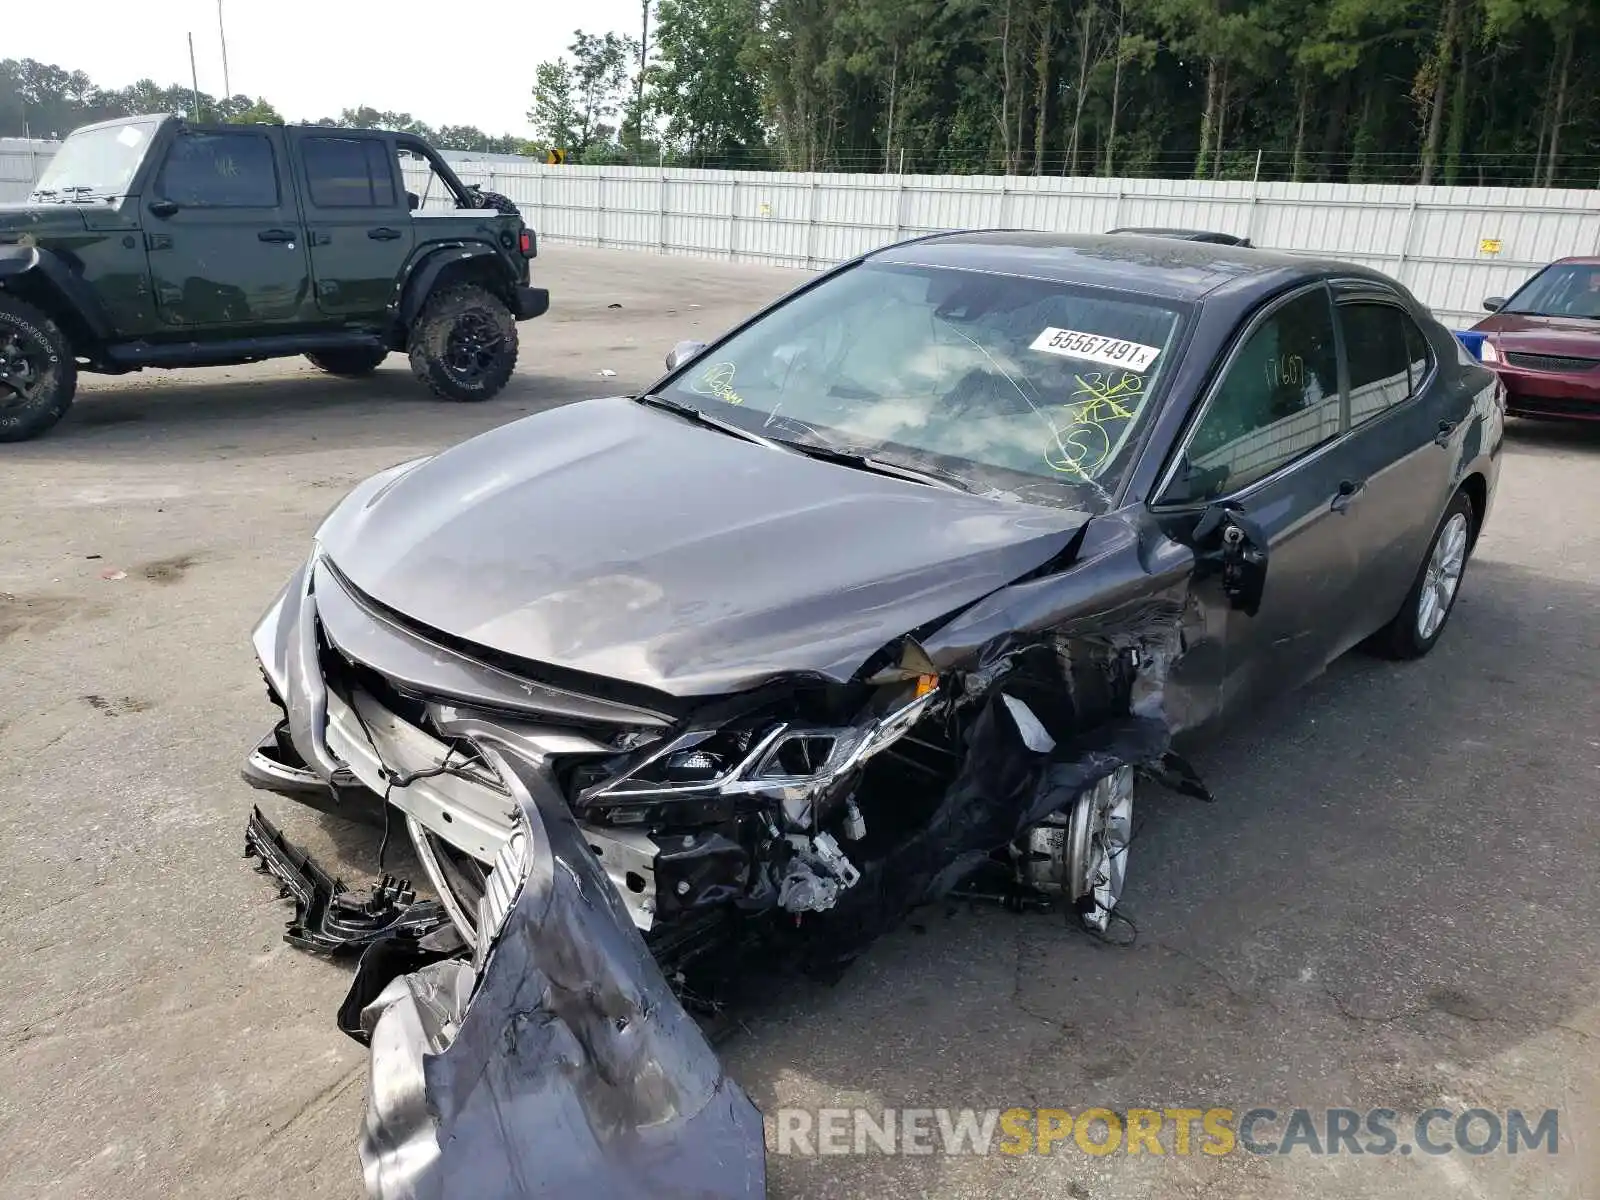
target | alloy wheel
x=1442, y=576
x=24, y=363
x=472, y=347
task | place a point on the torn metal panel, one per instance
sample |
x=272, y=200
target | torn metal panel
x=564, y=1066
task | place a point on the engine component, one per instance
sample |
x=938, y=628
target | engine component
x=854, y=826
x=816, y=875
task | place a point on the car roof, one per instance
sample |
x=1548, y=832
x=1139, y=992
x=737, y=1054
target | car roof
x=1155, y=266
x=163, y=117
x=1194, y=234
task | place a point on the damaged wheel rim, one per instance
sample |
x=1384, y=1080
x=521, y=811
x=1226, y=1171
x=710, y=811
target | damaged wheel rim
x=1442, y=576
x=1097, y=846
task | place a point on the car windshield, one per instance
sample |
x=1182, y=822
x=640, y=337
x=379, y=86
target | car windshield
x=1560, y=290
x=95, y=163
x=1019, y=386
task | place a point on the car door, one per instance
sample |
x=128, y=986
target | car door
x=1400, y=450
x=1260, y=488
x=223, y=233
x=359, y=225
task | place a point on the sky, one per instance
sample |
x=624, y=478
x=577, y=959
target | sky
x=311, y=58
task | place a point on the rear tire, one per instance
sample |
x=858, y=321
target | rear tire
x=464, y=345
x=1416, y=627
x=354, y=363
x=38, y=373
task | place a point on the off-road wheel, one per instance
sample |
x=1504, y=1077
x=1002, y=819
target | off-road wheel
x=1428, y=605
x=38, y=374
x=355, y=363
x=464, y=346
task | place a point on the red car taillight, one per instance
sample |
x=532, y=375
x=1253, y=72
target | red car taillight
x=527, y=244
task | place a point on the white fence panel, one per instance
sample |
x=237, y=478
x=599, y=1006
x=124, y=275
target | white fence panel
x=1451, y=246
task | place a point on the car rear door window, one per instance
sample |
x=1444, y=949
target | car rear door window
x=343, y=172
x=1278, y=401
x=1417, y=351
x=1378, y=357
x=220, y=170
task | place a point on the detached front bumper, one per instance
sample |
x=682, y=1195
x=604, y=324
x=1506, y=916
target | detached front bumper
x=559, y=1062
x=555, y=1060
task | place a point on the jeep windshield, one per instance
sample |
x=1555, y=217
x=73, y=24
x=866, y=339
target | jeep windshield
x=95, y=164
x=1015, y=386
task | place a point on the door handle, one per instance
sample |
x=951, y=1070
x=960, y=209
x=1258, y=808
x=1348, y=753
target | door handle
x=1347, y=492
x=383, y=234
x=163, y=208
x=1446, y=428
x=276, y=235
x=313, y=238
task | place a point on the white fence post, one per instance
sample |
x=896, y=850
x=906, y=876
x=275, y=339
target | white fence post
x=666, y=209
x=811, y=227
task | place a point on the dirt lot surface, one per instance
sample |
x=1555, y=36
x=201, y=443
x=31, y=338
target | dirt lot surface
x=1393, y=904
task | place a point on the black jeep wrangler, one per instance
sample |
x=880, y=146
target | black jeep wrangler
x=154, y=242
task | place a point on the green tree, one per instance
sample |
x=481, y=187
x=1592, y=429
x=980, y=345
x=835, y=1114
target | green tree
x=702, y=80
x=259, y=112
x=554, y=115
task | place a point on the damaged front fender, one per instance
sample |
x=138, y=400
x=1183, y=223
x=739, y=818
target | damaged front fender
x=559, y=1063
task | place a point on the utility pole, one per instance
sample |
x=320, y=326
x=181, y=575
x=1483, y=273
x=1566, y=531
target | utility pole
x=227, y=89
x=194, y=79
x=644, y=53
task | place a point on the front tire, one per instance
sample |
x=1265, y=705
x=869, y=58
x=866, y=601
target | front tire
x=355, y=363
x=464, y=346
x=38, y=373
x=1432, y=598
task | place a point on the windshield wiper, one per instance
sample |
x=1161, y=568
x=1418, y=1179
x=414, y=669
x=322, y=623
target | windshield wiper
x=690, y=413
x=862, y=461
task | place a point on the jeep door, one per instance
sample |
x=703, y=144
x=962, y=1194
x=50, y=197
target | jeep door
x=223, y=235
x=357, y=218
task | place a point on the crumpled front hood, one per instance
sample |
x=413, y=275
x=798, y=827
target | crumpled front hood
x=40, y=220
x=613, y=539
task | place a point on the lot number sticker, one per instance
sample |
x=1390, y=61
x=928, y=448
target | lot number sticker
x=1093, y=347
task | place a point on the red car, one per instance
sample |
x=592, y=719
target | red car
x=1545, y=342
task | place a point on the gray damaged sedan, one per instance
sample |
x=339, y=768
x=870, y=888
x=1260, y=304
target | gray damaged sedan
x=911, y=578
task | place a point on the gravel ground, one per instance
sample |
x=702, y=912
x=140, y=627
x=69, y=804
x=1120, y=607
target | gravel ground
x=1392, y=904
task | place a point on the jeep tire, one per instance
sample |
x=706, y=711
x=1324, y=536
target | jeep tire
x=38, y=373
x=464, y=345
x=353, y=363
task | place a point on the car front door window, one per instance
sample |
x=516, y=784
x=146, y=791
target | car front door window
x=1279, y=400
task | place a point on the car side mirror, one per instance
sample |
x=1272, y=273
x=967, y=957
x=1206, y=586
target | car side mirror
x=163, y=208
x=413, y=201
x=1495, y=303
x=682, y=353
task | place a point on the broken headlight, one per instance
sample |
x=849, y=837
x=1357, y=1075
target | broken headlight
x=786, y=760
